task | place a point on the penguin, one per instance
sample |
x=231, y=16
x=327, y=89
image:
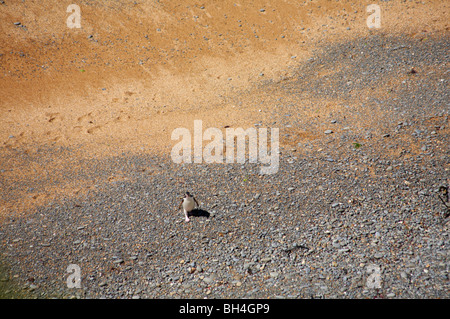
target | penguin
x=188, y=203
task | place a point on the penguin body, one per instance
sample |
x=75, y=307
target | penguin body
x=188, y=203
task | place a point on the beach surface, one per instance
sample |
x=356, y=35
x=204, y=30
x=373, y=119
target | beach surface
x=87, y=177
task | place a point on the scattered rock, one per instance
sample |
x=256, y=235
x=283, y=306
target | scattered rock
x=274, y=274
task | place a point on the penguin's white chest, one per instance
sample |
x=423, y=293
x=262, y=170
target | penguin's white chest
x=188, y=204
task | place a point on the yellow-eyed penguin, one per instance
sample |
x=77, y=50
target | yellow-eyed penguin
x=188, y=202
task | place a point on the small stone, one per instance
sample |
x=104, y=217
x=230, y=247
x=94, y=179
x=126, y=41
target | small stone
x=248, y=265
x=32, y=287
x=378, y=255
x=209, y=279
x=274, y=274
x=328, y=132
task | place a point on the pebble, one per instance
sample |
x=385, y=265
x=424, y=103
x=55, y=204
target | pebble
x=211, y=278
x=33, y=287
x=328, y=132
x=191, y=270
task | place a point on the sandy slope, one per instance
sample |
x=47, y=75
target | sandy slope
x=136, y=70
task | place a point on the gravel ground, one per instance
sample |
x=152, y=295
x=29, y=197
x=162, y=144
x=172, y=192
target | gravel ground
x=354, y=213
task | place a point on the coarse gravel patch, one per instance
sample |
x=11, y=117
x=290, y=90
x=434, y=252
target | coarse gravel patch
x=355, y=214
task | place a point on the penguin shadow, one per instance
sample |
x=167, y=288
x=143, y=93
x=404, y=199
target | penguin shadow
x=197, y=212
